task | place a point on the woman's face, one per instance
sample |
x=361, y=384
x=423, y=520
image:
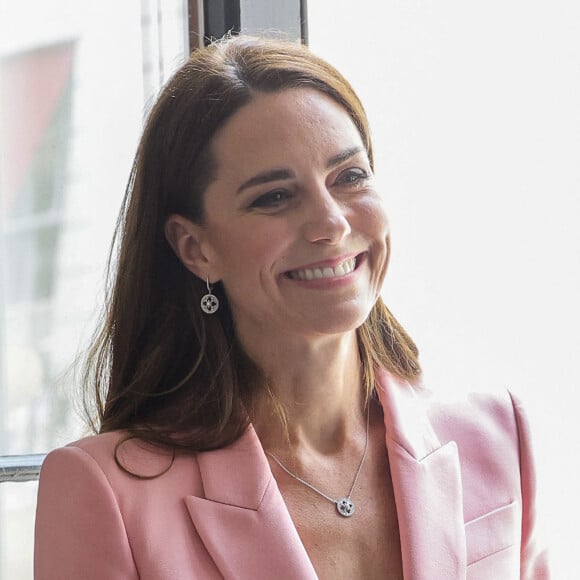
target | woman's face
x=293, y=226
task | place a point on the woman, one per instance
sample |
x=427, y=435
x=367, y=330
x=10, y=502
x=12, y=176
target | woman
x=260, y=408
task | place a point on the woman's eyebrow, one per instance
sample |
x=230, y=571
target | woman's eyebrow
x=266, y=177
x=343, y=156
x=280, y=174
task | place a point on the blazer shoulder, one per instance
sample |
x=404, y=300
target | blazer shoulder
x=101, y=448
x=79, y=528
x=126, y=463
x=117, y=451
x=110, y=507
x=493, y=413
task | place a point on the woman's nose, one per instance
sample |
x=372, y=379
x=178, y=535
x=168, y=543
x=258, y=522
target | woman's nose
x=325, y=220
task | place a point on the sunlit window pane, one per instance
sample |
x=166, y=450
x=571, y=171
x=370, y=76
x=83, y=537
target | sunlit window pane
x=75, y=81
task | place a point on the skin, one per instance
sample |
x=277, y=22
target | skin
x=293, y=192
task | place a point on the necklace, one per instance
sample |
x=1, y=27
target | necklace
x=345, y=506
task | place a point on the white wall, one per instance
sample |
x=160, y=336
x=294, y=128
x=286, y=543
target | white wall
x=475, y=109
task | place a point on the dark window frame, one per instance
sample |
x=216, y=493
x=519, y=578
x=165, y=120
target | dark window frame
x=214, y=18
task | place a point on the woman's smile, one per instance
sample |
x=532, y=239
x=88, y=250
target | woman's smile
x=338, y=269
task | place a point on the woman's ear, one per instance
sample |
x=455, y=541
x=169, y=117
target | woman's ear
x=187, y=241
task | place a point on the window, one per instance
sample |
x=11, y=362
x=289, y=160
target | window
x=75, y=81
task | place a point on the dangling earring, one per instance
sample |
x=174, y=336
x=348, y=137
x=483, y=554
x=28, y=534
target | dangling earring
x=209, y=302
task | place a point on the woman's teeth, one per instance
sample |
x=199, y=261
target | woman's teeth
x=342, y=269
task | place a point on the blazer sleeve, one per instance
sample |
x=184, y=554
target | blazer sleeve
x=79, y=529
x=534, y=559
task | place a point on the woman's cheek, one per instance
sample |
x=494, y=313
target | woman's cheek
x=373, y=213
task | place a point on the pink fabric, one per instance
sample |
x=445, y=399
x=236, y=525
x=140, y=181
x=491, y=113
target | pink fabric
x=462, y=474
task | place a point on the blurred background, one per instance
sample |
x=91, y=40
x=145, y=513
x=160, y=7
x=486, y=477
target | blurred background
x=475, y=111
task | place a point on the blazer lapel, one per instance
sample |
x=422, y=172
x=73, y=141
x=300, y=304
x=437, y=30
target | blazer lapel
x=427, y=484
x=243, y=520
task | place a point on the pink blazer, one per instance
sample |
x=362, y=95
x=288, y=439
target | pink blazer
x=462, y=474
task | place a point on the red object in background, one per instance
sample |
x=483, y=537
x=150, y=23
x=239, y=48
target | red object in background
x=32, y=85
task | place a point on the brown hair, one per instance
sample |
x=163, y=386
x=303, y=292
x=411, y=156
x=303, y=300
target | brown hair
x=161, y=369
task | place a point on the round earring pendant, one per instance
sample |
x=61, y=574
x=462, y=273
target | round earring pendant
x=209, y=303
x=345, y=507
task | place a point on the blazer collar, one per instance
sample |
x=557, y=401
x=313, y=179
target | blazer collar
x=427, y=484
x=245, y=525
x=243, y=520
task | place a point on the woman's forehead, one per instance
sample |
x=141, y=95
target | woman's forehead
x=283, y=125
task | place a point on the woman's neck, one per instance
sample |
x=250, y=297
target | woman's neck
x=319, y=385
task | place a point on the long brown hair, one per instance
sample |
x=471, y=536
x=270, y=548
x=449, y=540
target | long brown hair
x=158, y=367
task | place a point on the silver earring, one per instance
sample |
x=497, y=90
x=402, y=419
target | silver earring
x=209, y=302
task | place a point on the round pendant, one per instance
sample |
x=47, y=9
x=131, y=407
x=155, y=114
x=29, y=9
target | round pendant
x=209, y=303
x=345, y=507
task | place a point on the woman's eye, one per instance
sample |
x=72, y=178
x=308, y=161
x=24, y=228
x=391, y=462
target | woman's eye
x=271, y=199
x=352, y=176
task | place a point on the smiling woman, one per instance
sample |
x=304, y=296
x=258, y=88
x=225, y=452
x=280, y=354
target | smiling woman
x=227, y=430
x=292, y=204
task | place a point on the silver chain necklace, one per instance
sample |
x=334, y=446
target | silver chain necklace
x=345, y=506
